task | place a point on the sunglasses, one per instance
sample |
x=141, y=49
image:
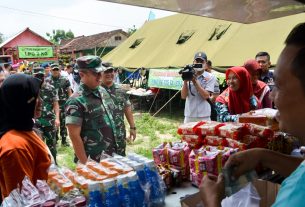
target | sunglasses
x=55, y=69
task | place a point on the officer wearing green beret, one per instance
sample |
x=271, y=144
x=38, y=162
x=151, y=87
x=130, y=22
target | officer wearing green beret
x=48, y=122
x=88, y=113
x=63, y=88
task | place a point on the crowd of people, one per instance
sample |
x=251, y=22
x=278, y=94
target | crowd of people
x=94, y=114
x=246, y=90
x=42, y=102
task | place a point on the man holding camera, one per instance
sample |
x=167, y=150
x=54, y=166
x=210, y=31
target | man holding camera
x=197, y=91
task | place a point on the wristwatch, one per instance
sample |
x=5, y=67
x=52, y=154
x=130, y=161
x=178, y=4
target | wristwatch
x=134, y=128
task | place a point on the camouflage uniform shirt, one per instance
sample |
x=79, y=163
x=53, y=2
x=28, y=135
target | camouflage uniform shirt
x=61, y=85
x=91, y=109
x=121, y=101
x=48, y=95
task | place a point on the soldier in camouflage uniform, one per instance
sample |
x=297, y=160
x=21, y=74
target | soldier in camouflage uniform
x=62, y=85
x=88, y=113
x=48, y=122
x=122, y=106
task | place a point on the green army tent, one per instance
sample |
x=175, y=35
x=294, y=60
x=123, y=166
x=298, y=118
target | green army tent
x=172, y=41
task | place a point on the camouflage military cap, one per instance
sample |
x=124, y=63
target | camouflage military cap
x=93, y=63
x=38, y=70
x=54, y=66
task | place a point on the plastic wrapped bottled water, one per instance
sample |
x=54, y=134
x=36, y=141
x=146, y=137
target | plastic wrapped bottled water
x=110, y=193
x=125, y=194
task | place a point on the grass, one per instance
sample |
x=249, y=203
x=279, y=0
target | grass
x=151, y=132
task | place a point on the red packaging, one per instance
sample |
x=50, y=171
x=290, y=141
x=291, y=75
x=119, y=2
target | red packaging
x=196, y=179
x=234, y=131
x=209, y=160
x=178, y=157
x=236, y=144
x=160, y=154
x=209, y=128
x=261, y=131
x=263, y=117
x=215, y=141
x=189, y=128
x=194, y=141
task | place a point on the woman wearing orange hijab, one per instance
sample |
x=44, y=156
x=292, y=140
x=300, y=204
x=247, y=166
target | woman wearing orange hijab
x=238, y=98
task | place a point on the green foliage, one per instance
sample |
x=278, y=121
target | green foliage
x=130, y=31
x=1, y=37
x=58, y=35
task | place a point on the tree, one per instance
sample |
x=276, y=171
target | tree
x=58, y=35
x=1, y=37
x=130, y=31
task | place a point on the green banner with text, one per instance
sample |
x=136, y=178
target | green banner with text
x=165, y=78
x=35, y=52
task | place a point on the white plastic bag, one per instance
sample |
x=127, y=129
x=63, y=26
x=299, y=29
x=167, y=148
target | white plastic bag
x=246, y=197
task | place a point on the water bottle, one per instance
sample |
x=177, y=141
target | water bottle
x=95, y=196
x=125, y=197
x=139, y=168
x=138, y=193
x=110, y=193
x=157, y=190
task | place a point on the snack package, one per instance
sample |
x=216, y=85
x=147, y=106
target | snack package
x=196, y=179
x=210, y=128
x=236, y=144
x=215, y=141
x=234, y=131
x=29, y=194
x=209, y=159
x=99, y=169
x=86, y=172
x=178, y=157
x=194, y=141
x=45, y=192
x=160, y=154
x=261, y=131
x=263, y=117
x=189, y=128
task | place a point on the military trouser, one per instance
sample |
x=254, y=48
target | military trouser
x=121, y=145
x=63, y=129
x=49, y=136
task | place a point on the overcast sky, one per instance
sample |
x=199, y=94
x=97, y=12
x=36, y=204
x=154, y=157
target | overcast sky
x=87, y=17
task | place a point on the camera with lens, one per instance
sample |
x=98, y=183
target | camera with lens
x=188, y=72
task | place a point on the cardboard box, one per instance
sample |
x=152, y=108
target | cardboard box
x=267, y=191
x=193, y=200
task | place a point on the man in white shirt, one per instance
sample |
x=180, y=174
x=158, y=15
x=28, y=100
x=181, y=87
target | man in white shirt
x=197, y=91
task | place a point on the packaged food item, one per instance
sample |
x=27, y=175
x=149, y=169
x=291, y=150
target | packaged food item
x=263, y=117
x=160, y=154
x=261, y=131
x=102, y=171
x=178, y=157
x=209, y=159
x=45, y=192
x=29, y=193
x=210, y=128
x=196, y=178
x=234, y=131
x=110, y=193
x=189, y=128
x=236, y=144
x=194, y=141
x=215, y=141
